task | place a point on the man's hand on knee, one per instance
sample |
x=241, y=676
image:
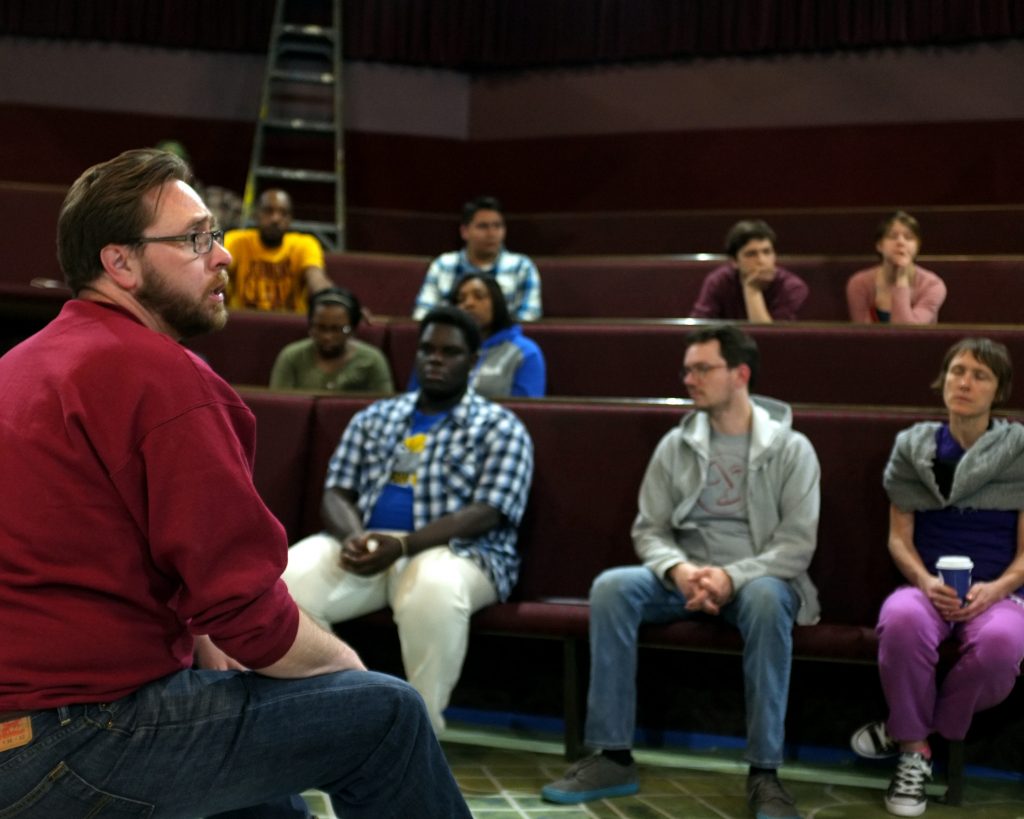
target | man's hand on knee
x=714, y=588
x=370, y=553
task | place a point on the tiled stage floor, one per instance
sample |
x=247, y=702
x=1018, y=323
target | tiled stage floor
x=501, y=776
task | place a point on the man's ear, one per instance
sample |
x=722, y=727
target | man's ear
x=743, y=371
x=464, y=232
x=120, y=264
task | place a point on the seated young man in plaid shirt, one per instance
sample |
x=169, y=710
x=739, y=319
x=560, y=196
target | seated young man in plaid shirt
x=421, y=503
x=483, y=230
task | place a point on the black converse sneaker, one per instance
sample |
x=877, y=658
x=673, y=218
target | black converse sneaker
x=872, y=741
x=906, y=796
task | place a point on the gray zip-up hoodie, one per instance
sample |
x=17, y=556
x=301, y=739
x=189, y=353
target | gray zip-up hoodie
x=782, y=501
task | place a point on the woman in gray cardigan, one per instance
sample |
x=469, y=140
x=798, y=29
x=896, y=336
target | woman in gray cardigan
x=956, y=488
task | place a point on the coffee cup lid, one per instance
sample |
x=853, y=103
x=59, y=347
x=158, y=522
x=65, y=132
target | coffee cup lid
x=954, y=562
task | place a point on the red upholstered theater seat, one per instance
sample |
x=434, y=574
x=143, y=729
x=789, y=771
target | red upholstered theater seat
x=30, y=230
x=590, y=458
x=386, y=284
x=621, y=286
x=245, y=350
x=982, y=289
x=330, y=417
x=283, y=434
x=801, y=362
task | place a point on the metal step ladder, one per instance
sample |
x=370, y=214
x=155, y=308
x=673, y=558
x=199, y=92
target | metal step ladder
x=299, y=139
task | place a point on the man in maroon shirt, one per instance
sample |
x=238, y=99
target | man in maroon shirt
x=131, y=533
x=751, y=286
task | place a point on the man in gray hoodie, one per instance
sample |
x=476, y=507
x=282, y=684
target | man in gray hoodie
x=726, y=527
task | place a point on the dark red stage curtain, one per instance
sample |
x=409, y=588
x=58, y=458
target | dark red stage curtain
x=224, y=25
x=481, y=35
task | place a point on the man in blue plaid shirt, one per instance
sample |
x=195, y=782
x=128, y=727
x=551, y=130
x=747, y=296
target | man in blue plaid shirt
x=483, y=231
x=421, y=503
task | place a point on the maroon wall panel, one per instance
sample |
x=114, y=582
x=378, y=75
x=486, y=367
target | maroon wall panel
x=952, y=163
x=905, y=163
x=54, y=145
x=823, y=188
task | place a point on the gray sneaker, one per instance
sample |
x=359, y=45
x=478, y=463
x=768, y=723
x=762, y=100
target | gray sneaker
x=595, y=777
x=768, y=799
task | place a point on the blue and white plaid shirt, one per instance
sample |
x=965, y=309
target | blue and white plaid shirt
x=515, y=273
x=479, y=453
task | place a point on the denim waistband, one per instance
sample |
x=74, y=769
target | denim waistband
x=63, y=713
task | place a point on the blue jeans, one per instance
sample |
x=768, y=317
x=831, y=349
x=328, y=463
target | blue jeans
x=291, y=808
x=621, y=599
x=197, y=743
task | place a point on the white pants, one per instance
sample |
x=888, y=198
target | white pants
x=432, y=594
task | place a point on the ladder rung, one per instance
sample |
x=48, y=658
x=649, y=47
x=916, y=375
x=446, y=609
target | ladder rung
x=310, y=125
x=322, y=51
x=309, y=30
x=301, y=99
x=296, y=174
x=315, y=77
x=313, y=227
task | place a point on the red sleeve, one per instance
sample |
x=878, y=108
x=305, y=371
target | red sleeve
x=207, y=527
x=789, y=298
x=708, y=304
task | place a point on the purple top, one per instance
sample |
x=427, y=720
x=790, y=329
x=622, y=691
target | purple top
x=721, y=295
x=987, y=536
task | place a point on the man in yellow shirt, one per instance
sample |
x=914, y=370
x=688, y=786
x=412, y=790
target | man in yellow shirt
x=271, y=267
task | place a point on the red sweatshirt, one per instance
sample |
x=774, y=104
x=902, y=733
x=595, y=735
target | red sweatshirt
x=128, y=516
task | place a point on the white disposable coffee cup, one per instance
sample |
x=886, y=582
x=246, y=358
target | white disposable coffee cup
x=955, y=571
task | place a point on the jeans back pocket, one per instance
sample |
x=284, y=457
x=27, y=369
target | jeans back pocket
x=62, y=793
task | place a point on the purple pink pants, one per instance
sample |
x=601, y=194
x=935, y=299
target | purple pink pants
x=910, y=630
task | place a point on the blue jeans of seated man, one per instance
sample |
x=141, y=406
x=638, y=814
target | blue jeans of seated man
x=294, y=807
x=197, y=743
x=621, y=599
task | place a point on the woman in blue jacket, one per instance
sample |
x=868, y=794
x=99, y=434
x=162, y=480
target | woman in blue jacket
x=510, y=364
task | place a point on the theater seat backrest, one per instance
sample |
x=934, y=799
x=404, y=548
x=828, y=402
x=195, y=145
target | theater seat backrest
x=385, y=283
x=330, y=417
x=852, y=567
x=283, y=433
x=245, y=350
x=590, y=460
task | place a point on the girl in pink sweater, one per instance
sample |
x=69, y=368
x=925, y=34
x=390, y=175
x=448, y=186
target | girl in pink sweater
x=897, y=290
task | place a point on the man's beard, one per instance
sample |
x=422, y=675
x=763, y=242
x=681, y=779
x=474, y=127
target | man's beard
x=271, y=237
x=187, y=317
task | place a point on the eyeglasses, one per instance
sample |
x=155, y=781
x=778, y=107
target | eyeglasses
x=202, y=240
x=699, y=371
